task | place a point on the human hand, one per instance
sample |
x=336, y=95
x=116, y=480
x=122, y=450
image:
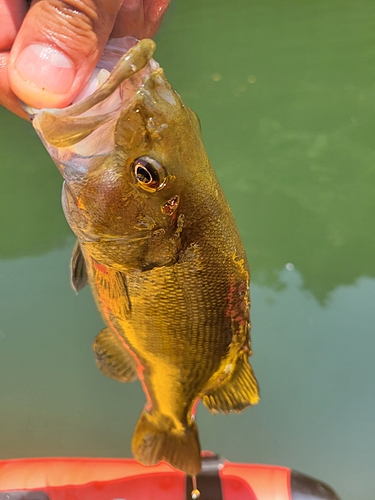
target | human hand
x=48, y=52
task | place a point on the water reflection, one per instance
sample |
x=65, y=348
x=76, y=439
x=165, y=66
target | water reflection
x=311, y=202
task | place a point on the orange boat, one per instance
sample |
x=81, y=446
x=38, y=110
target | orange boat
x=125, y=479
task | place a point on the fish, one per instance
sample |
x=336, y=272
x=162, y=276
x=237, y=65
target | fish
x=158, y=244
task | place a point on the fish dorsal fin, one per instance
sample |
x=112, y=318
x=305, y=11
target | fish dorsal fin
x=78, y=271
x=112, y=357
x=237, y=391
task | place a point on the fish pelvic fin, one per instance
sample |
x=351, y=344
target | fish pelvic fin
x=156, y=439
x=78, y=271
x=237, y=391
x=112, y=357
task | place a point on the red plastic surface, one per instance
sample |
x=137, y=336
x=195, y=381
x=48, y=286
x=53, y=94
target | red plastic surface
x=266, y=481
x=120, y=479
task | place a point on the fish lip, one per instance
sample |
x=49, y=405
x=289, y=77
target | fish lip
x=141, y=94
x=134, y=62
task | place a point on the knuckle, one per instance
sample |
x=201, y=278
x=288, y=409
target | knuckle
x=77, y=24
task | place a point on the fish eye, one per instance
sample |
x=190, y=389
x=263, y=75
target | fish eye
x=149, y=174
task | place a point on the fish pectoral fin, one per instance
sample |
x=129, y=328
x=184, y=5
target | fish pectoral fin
x=112, y=357
x=78, y=271
x=157, y=439
x=237, y=392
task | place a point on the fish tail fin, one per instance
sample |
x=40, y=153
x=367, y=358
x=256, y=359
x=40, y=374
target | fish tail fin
x=156, y=438
x=237, y=392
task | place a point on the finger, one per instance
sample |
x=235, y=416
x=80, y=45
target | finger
x=130, y=20
x=7, y=98
x=12, y=13
x=139, y=18
x=154, y=12
x=57, y=48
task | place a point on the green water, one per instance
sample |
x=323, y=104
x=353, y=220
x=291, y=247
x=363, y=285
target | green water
x=286, y=95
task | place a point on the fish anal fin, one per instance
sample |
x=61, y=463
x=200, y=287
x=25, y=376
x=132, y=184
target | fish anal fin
x=156, y=439
x=112, y=357
x=239, y=390
x=78, y=271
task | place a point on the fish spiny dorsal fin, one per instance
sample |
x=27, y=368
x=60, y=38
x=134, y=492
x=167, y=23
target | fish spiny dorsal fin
x=112, y=357
x=78, y=271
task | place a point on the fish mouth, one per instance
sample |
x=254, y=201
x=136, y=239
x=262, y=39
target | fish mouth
x=94, y=113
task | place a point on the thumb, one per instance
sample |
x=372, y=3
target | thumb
x=57, y=48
